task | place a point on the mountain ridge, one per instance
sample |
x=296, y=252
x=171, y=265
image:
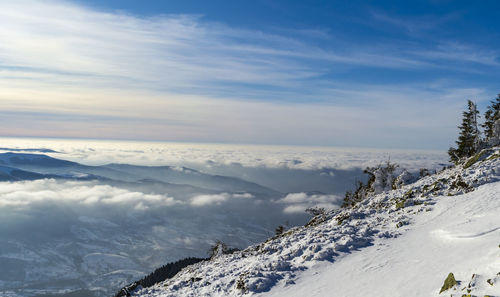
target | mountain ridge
x=274, y=266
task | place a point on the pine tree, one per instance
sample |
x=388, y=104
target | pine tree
x=469, y=139
x=492, y=121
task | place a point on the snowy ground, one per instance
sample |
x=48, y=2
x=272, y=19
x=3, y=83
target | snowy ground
x=460, y=235
x=398, y=243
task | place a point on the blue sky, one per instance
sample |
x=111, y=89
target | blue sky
x=337, y=73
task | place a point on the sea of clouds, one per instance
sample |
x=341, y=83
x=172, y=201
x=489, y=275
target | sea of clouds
x=59, y=235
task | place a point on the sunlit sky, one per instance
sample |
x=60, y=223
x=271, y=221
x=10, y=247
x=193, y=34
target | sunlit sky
x=386, y=74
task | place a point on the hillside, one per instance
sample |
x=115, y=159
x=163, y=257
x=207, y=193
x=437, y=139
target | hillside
x=398, y=243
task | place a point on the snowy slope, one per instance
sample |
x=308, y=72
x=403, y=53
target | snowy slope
x=398, y=243
x=460, y=235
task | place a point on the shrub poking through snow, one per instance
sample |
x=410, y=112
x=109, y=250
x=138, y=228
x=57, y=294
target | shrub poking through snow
x=400, y=204
x=240, y=285
x=459, y=184
x=341, y=218
x=449, y=283
x=474, y=159
x=318, y=216
x=279, y=230
x=220, y=248
x=404, y=178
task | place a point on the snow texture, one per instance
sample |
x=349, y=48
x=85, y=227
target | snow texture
x=398, y=243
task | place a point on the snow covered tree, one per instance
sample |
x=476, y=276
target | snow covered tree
x=492, y=122
x=220, y=248
x=384, y=177
x=469, y=139
x=380, y=178
x=402, y=179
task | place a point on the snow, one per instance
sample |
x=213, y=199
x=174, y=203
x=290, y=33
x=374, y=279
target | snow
x=398, y=243
x=460, y=235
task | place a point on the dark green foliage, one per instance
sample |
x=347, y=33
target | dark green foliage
x=469, y=139
x=460, y=184
x=279, y=230
x=400, y=204
x=449, y=282
x=454, y=156
x=491, y=115
x=351, y=198
x=167, y=271
x=159, y=275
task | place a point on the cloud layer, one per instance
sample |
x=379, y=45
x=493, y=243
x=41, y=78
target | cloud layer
x=67, y=70
x=299, y=202
x=58, y=231
x=87, y=194
x=89, y=235
x=204, y=200
x=210, y=157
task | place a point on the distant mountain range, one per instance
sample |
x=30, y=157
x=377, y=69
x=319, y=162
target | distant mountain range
x=22, y=166
x=68, y=229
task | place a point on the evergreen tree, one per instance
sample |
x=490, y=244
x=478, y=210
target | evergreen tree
x=491, y=122
x=469, y=139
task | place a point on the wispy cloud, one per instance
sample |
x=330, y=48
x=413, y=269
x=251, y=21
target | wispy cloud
x=415, y=24
x=68, y=70
x=462, y=53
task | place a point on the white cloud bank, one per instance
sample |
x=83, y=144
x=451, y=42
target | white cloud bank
x=204, y=200
x=205, y=156
x=54, y=231
x=19, y=195
x=299, y=202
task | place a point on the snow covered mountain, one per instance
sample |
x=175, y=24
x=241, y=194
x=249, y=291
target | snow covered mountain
x=404, y=242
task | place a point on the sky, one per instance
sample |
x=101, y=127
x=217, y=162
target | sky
x=377, y=74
